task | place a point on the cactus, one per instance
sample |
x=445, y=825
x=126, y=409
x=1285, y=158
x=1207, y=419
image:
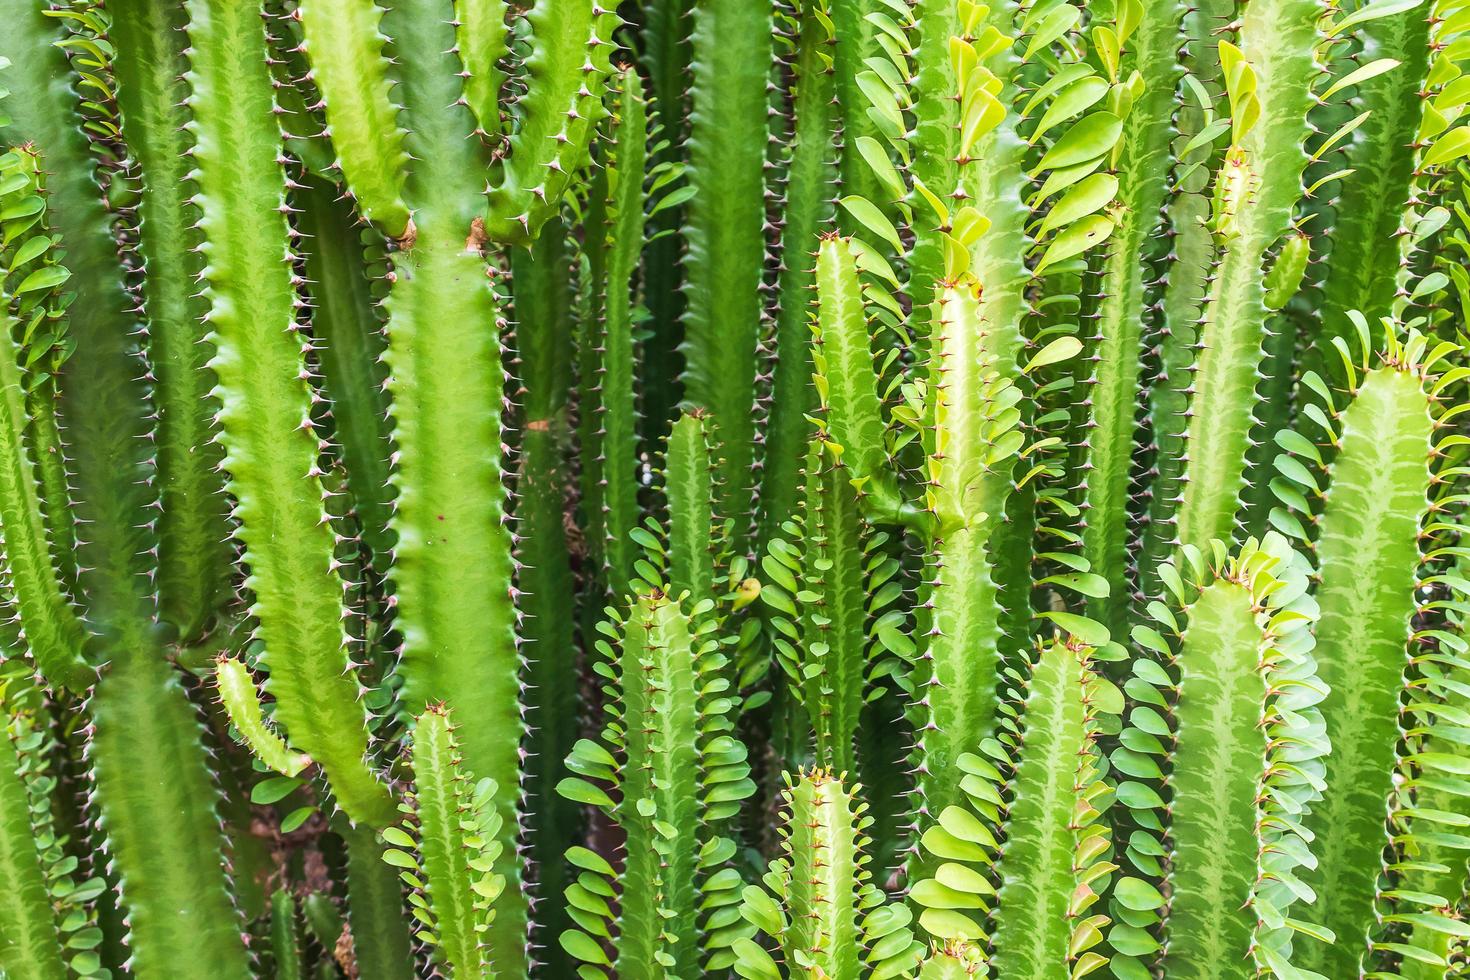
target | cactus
x=1255, y=192
x=543, y=314
x=817, y=488
x=679, y=777
x=51, y=628
x=451, y=829
x=1361, y=638
x=811, y=172
x=268, y=440
x=725, y=246
x=31, y=943
x=1147, y=59
x=817, y=901
x=1048, y=809
x=1236, y=644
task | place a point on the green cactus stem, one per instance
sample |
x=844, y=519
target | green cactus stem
x=194, y=554
x=1038, y=891
x=972, y=440
x=810, y=187
x=1126, y=291
x=104, y=407
x=242, y=704
x=349, y=346
x=617, y=436
x=1365, y=511
x=52, y=631
x=270, y=447
x=452, y=834
x=1270, y=77
x=818, y=902
x=30, y=941
x=1244, y=745
x=543, y=312
x=679, y=777
x=726, y=245
x=150, y=771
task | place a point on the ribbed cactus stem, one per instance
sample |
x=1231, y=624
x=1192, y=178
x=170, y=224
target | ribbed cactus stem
x=1186, y=281
x=696, y=535
x=375, y=899
x=194, y=555
x=270, y=445
x=150, y=771
x=627, y=160
x=104, y=406
x=349, y=347
x=345, y=47
x=51, y=629
x=846, y=378
x=726, y=246
x=555, y=118
x=544, y=578
x=1245, y=760
x=934, y=142
x=1368, y=515
x=822, y=841
x=1270, y=75
x=972, y=443
x=818, y=904
x=660, y=719
x=30, y=267
x=30, y=943
x=242, y=704
x=834, y=620
x=482, y=38
x=286, y=936
x=679, y=777
x=451, y=828
x=811, y=178
x=1126, y=292
x=1034, y=897
x=1364, y=246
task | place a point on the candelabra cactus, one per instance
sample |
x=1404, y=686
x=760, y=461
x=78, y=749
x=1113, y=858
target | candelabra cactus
x=762, y=488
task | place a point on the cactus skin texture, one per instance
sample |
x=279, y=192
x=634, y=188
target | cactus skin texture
x=1038, y=890
x=616, y=412
x=451, y=827
x=30, y=943
x=1113, y=393
x=811, y=177
x=52, y=630
x=193, y=529
x=269, y=445
x=543, y=313
x=103, y=406
x=723, y=230
x=1270, y=78
x=679, y=777
x=779, y=489
x=149, y=772
x=972, y=434
x=817, y=902
x=444, y=373
x=349, y=347
x=1238, y=647
x=1366, y=519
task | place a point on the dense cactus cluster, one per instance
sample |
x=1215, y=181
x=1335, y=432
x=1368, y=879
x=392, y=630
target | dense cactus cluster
x=734, y=488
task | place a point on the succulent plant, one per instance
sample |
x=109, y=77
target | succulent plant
x=835, y=489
